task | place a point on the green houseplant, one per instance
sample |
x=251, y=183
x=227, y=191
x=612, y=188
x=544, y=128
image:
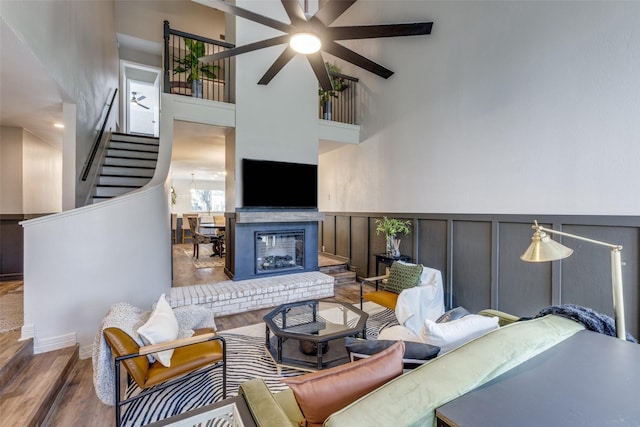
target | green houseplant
x=326, y=96
x=191, y=65
x=392, y=227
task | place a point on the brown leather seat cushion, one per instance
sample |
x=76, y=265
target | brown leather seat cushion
x=184, y=359
x=383, y=298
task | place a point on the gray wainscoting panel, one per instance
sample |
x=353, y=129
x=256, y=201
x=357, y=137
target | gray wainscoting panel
x=586, y=274
x=342, y=235
x=523, y=287
x=471, y=258
x=433, y=245
x=329, y=234
x=360, y=245
x=479, y=256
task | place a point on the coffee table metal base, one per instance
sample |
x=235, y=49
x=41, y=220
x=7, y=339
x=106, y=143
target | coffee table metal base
x=293, y=357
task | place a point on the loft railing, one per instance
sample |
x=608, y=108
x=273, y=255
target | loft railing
x=181, y=51
x=185, y=75
x=339, y=105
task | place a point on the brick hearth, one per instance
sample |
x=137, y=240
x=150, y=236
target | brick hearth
x=231, y=297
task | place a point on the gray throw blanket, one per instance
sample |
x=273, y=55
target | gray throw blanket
x=590, y=319
x=129, y=319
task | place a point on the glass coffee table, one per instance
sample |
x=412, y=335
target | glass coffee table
x=309, y=335
x=232, y=412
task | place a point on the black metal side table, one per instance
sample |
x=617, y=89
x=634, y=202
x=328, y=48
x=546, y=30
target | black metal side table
x=389, y=259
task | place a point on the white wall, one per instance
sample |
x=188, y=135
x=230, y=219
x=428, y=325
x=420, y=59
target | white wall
x=507, y=107
x=42, y=176
x=76, y=41
x=11, y=149
x=277, y=121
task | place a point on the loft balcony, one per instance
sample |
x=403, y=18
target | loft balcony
x=184, y=75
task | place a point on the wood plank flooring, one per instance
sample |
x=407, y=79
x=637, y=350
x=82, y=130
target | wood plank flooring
x=78, y=405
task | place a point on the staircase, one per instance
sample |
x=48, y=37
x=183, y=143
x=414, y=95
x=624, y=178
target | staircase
x=129, y=163
x=338, y=267
x=30, y=384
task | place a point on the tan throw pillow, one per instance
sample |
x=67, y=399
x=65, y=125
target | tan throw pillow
x=322, y=393
x=403, y=276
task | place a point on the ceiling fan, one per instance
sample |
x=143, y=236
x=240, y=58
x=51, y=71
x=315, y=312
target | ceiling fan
x=136, y=100
x=316, y=30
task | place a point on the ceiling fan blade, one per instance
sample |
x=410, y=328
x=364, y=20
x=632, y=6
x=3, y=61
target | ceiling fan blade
x=143, y=106
x=294, y=11
x=348, y=55
x=246, y=14
x=244, y=49
x=320, y=70
x=282, y=60
x=140, y=98
x=331, y=11
x=377, y=31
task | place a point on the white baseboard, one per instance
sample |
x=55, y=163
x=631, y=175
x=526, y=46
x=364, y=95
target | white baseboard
x=27, y=332
x=86, y=351
x=54, y=343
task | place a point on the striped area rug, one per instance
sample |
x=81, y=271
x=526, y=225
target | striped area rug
x=246, y=359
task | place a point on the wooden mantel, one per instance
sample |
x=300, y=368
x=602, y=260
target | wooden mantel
x=278, y=216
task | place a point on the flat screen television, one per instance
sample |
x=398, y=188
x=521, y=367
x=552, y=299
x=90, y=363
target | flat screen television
x=269, y=184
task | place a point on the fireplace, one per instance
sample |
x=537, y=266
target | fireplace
x=274, y=242
x=279, y=251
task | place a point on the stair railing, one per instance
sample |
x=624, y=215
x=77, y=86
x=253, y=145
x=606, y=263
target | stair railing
x=99, y=140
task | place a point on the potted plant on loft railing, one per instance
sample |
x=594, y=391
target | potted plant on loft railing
x=326, y=96
x=193, y=67
x=392, y=227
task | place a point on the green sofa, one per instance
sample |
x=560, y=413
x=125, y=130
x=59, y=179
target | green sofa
x=412, y=398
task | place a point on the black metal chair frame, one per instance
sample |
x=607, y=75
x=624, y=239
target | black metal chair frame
x=120, y=403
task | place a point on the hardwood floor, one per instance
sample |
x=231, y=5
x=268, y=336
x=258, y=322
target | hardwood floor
x=78, y=405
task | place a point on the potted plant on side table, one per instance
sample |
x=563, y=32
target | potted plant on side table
x=392, y=227
x=191, y=65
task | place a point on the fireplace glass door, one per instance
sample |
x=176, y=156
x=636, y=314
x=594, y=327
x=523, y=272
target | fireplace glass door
x=278, y=251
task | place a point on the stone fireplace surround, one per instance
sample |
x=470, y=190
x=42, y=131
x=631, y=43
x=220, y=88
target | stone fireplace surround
x=243, y=227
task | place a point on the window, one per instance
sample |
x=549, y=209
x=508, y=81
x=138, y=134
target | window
x=207, y=200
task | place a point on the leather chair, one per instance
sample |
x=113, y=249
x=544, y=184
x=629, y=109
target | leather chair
x=192, y=356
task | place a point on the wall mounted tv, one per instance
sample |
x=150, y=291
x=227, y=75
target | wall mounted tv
x=269, y=184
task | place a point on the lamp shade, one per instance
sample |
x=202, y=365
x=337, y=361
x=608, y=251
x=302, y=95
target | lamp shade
x=543, y=248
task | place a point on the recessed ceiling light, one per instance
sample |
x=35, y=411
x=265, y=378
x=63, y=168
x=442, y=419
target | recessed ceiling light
x=58, y=125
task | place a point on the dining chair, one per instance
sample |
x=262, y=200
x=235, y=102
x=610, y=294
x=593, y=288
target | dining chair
x=186, y=227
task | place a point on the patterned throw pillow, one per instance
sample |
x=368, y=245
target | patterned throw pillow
x=403, y=276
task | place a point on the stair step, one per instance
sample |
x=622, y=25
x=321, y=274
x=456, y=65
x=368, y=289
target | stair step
x=151, y=148
x=113, y=191
x=26, y=400
x=14, y=355
x=132, y=154
x=344, y=277
x=128, y=171
x=137, y=163
x=127, y=181
x=139, y=139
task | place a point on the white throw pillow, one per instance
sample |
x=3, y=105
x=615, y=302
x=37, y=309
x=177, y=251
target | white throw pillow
x=398, y=332
x=450, y=335
x=161, y=327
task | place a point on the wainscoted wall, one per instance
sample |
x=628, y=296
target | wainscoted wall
x=479, y=256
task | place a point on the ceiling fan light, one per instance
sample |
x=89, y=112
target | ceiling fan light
x=305, y=43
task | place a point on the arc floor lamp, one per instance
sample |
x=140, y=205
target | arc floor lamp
x=544, y=248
